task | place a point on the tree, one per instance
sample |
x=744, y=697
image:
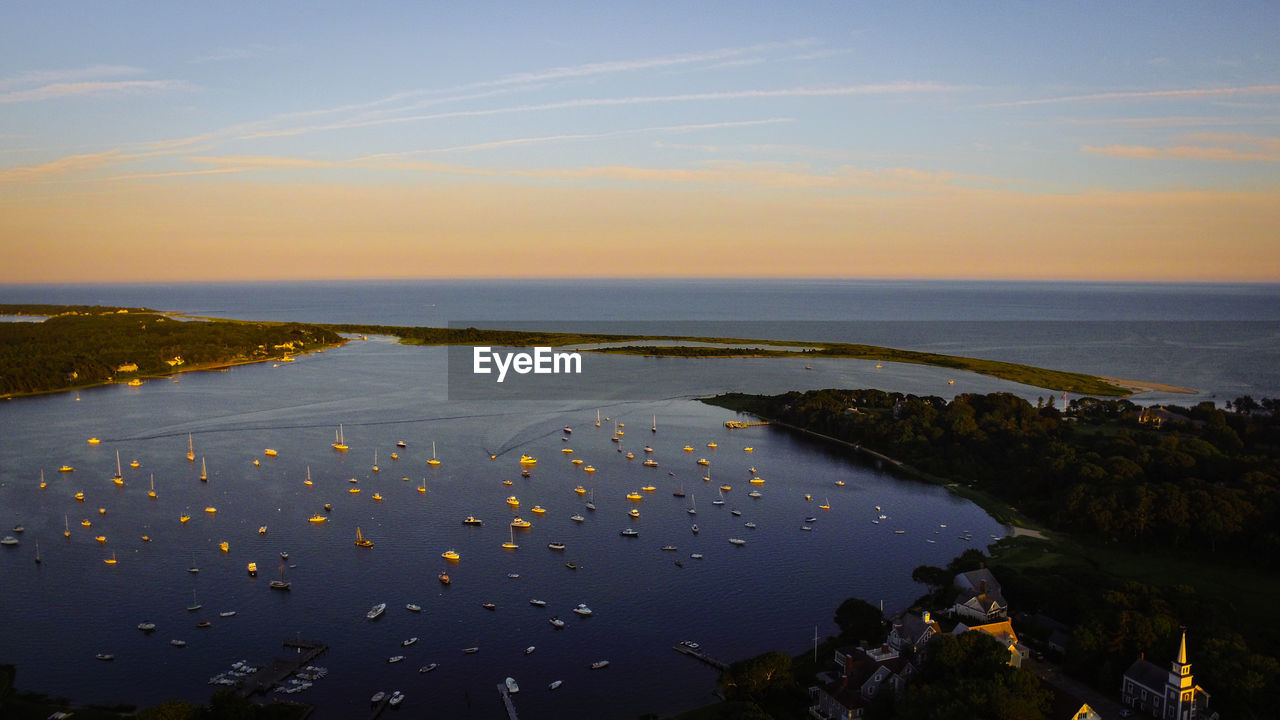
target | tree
x=860, y=622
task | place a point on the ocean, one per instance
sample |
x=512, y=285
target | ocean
x=774, y=592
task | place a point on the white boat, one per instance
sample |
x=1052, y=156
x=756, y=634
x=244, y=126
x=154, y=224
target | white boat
x=147, y=627
x=556, y=622
x=397, y=697
x=582, y=610
x=377, y=697
x=195, y=604
x=407, y=643
x=737, y=541
x=555, y=684
x=227, y=613
x=376, y=611
x=428, y=668
x=693, y=505
x=339, y=443
x=178, y=643
x=512, y=687
x=411, y=607
x=529, y=650
x=538, y=603
x=599, y=664
x=9, y=540
x=395, y=659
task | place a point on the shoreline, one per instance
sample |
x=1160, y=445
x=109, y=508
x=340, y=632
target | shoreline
x=1142, y=386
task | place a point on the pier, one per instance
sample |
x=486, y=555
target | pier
x=271, y=675
x=699, y=655
x=739, y=424
x=506, y=700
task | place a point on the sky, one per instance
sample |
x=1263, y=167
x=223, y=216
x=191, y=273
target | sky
x=1093, y=141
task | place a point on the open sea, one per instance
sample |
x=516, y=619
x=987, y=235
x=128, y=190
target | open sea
x=773, y=592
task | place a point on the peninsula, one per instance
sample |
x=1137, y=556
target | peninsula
x=81, y=346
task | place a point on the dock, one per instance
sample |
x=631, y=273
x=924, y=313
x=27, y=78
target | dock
x=271, y=675
x=506, y=700
x=699, y=655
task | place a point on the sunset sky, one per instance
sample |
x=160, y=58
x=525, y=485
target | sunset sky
x=161, y=141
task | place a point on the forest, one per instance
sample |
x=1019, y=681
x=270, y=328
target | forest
x=88, y=346
x=1203, y=480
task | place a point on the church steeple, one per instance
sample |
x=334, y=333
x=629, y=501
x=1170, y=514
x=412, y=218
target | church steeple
x=1180, y=670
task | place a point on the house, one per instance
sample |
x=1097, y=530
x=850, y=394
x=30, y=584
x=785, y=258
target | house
x=1003, y=633
x=1168, y=695
x=1069, y=707
x=911, y=633
x=127, y=367
x=864, y=676
x=979, y=597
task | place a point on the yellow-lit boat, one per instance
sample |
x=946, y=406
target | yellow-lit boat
x=538, y=509
x=183, y=518
x=361, y=541
x=94, y=441
x=513, y=501
x=66, y=468
x=102, y=539
x=270, y=453
x=648, y=488
x=528, y=460
x=377, y=497
x=633, y=495
x=318, y=519
x=577, y=461
x=580, y=490
x=85, y=522
x=224, y=546
x=451, y=555
x=79, y=497
x=211, y=510
x=519, y=523
x=589, y=469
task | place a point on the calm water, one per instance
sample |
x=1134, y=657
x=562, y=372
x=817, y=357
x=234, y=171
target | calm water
x=737, y=601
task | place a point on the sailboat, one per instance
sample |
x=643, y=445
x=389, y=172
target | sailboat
x=118, y=478
x=375, y=460
x=511, y=544
x=433, y=460
x=191, y=451
x=591, y=500
x=693, y=506
x=42, y=482
x=195, y=604
x=423, y=487
x=204, y=471
x=66, y=527
x=655, y=424
x=338, y=443
x=111, y=560
x=280, y=584
x=307, y=482
x=360, y=540
x=193, y=569
x=152, y=492
x=38, y=560
x=597, y=418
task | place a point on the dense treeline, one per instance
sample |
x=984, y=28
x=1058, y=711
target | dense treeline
x=76, y=350
x=1204, y=480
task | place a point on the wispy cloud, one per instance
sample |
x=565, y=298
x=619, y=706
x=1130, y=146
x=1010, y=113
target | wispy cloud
x=1182, y=94
x=39, y=77
x=61, y=166
x=116, y=87
x=230, y=54
x=1167, y=121
x=894, y=88
x=1212, y=147
x=571, y=137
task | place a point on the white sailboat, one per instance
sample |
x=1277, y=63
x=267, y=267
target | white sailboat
x=152, y=492
x=191, y=450
x=195, y=604
x=434, y=460
x=339, y=443
x=597, y=418
x=655, y=424
x=693, y=505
